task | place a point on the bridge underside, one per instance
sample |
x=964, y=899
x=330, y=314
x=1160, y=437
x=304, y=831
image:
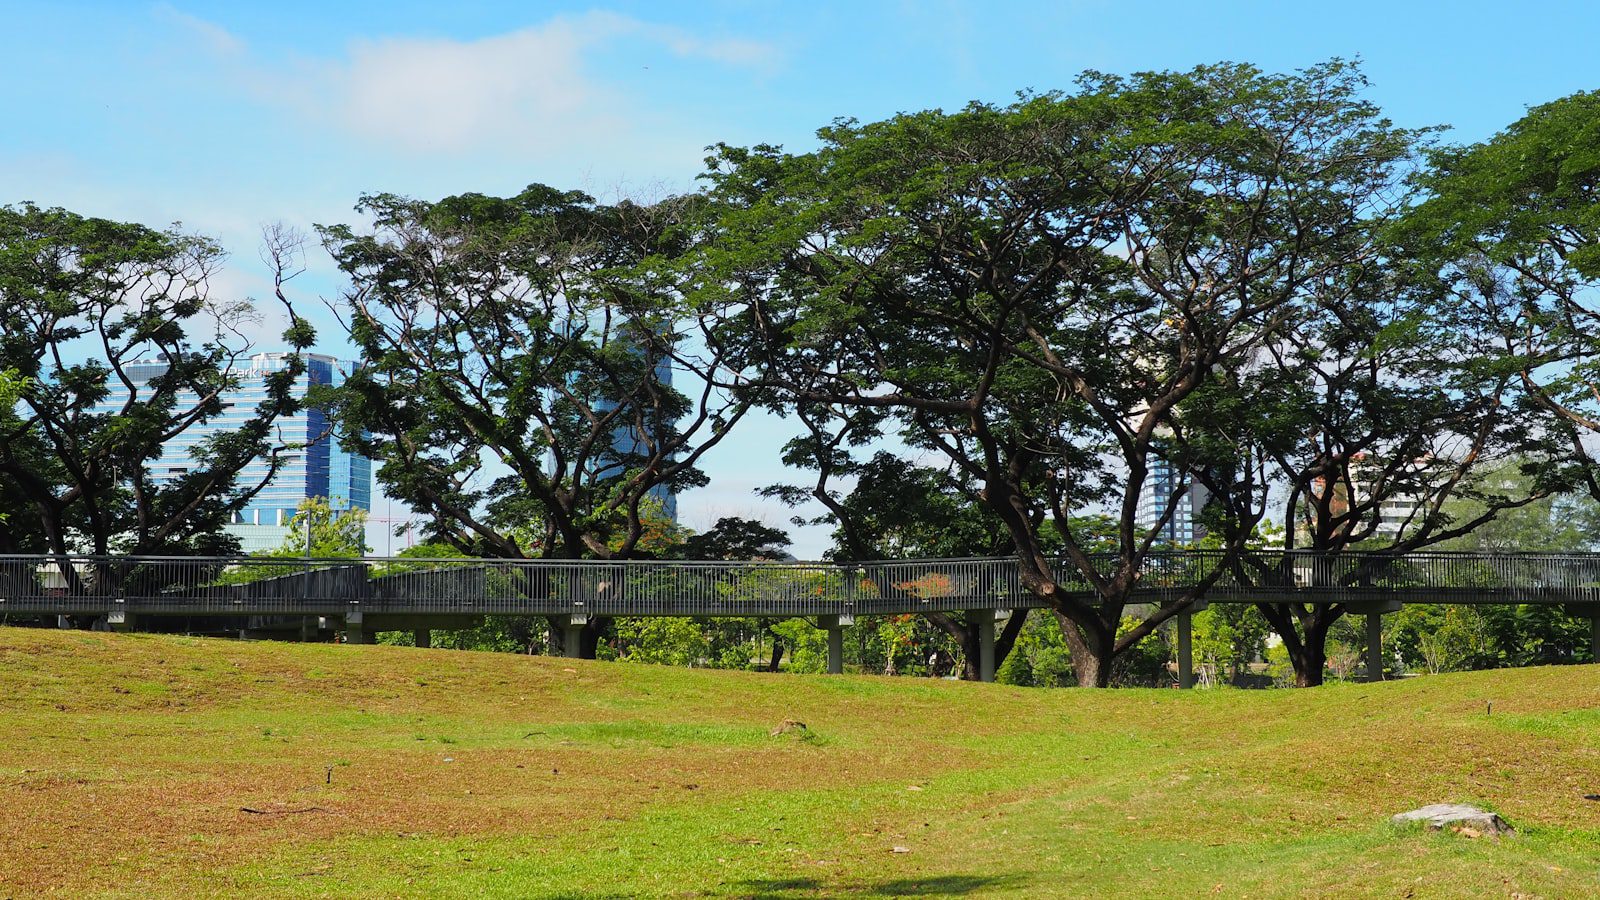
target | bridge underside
x=263, y=600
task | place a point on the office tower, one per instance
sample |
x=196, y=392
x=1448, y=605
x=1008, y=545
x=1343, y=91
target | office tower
x=1164, y=485
x=317, y=467
x=628, y=445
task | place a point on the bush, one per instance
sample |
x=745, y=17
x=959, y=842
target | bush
x=1279, y=667
x=1017, y=669
x=661, y=639
x=1052, y=667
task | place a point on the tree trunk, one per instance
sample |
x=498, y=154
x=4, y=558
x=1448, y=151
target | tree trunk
x=777, y=654
x=1093, y=670
x=1092, y=650
x=970, y=653
x=1007, y=638
x=1305, y=637
x=1310, y=662
x=961, y=631
x=966, y=637
x=589, y=638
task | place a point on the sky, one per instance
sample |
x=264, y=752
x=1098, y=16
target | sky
x=227, y=116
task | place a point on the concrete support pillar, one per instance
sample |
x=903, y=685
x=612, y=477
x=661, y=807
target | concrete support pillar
x=355, y=630
x=1374, y=610
x=424, y=638
x=834, y=625
x=571, y=631
x=308, y=629
x=982, y=621
x=120, y=620
x=1185, y=627
x=1374, y=646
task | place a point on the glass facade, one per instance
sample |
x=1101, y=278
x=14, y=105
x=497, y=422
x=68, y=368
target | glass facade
x=316, y=467
x=627, y=443
x=1163, y=481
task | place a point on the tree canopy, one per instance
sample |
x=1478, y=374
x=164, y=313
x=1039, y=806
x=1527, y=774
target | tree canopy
x=1510, y=230
x=519, y=387
x=83, y=301
x=1037, y=291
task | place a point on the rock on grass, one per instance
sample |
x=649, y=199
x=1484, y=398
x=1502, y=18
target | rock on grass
x=1459, y=817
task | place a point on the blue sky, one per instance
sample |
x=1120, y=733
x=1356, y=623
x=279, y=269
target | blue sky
x=229, y=115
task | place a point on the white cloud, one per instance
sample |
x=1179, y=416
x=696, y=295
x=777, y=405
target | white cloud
x=526, y=87
x=214, y=37
x=520, y=93
x=732, y=51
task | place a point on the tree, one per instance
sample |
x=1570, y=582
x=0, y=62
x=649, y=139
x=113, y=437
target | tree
x=1227, y=638
x=736, y=538
x=11, y=386
x=525, y=385
x=1448, y=638
x=1035, y=292
x=332, y=534
x=81, y=301
x=1549, y=523
x=1512, y=228
x=662, y=640
x=1379, y=409
x=1016, y=670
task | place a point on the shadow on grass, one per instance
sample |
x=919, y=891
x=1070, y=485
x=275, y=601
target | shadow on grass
x=929, y=886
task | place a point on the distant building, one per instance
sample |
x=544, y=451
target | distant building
x=317, y=468
x=628, y=444
x=1394, y=513
x=1398, y=510
x=1165, y=486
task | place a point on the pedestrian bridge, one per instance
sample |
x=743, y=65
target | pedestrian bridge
x=376, y=594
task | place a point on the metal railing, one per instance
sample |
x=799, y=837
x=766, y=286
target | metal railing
x=225, y=586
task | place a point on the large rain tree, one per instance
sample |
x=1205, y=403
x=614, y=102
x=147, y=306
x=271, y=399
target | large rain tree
x=82, y=301
x=527, y=386
x=1512, y=227
x=1037, y=291
x=1379, y=412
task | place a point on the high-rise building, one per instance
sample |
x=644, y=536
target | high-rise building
x=1165, y=485
x=1397, y=510
x=1390, y=516
x=627, y=443
x=317, y=467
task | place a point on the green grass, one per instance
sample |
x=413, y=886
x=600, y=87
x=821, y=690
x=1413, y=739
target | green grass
x=134, y=765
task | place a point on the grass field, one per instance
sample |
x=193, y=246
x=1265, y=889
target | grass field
x=149, y=765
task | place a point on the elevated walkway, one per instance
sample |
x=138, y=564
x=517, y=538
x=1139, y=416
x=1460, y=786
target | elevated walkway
x=378, y=594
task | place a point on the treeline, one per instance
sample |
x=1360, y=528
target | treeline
x=1254, y=281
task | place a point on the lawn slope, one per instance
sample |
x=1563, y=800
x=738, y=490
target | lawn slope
x=138, y=765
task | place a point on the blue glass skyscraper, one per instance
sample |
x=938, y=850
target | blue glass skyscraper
x=1166, y=485
x=627, y=443
x=316, y=466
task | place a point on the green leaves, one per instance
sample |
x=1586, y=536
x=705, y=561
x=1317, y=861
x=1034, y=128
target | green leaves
x=1045, y=298
x=522, y=355
x=82, y=300
x=1509, y=231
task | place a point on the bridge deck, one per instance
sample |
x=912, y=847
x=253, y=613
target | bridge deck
x=246, y=586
